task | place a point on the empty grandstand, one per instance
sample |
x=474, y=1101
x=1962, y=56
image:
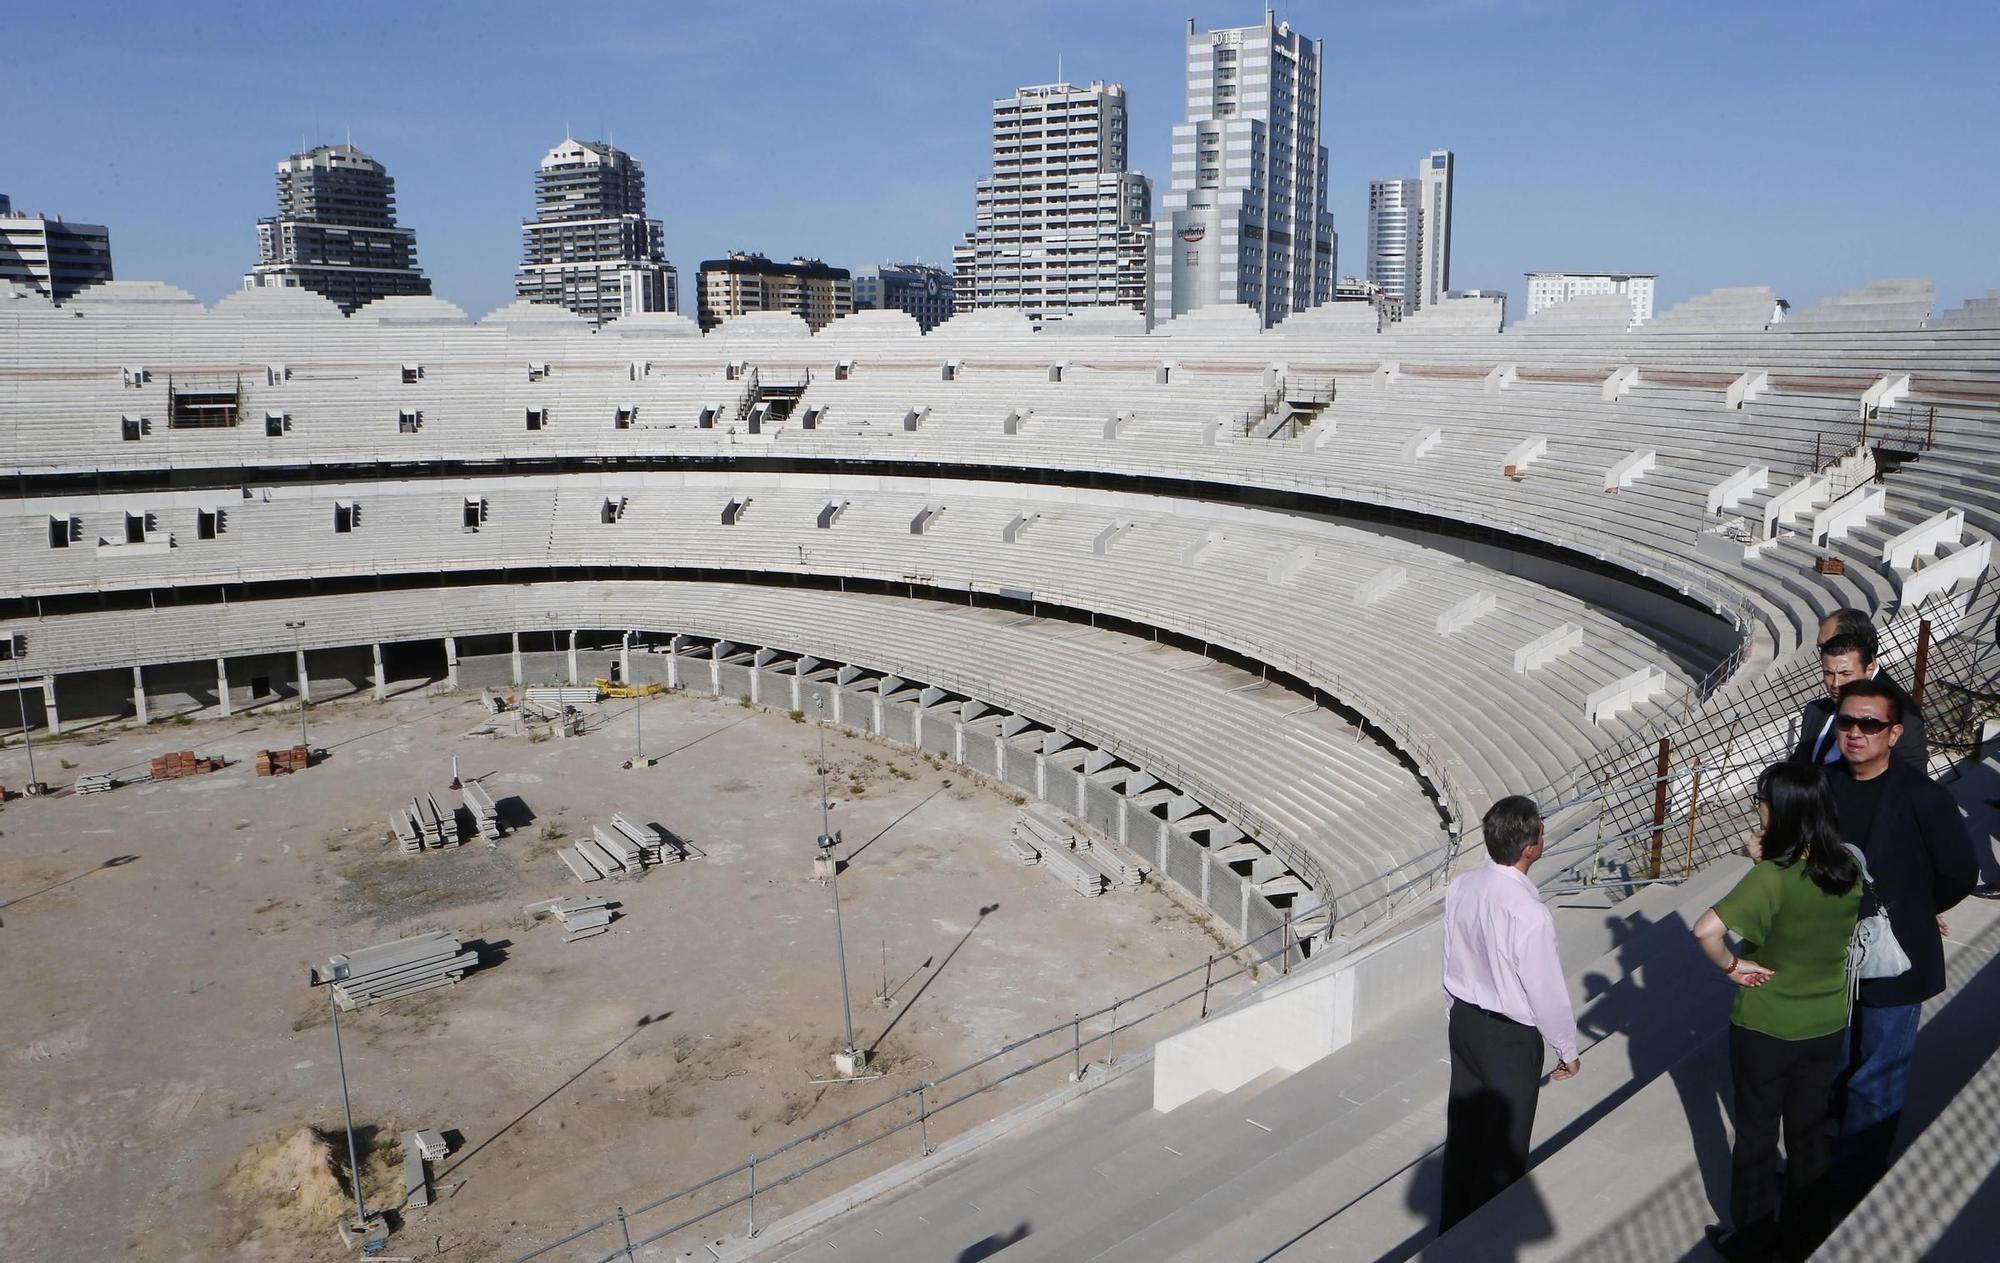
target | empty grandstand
x=1281, y=610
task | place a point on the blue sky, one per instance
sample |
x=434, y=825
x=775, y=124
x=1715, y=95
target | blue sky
x=1809, y=146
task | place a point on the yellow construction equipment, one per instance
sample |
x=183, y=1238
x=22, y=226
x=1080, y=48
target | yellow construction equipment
x=611, y=690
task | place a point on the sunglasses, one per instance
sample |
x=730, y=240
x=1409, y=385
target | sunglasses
x=1867, y=724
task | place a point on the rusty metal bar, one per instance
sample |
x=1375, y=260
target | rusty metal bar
x=1923, y=663
x=1694, y=819
x=1660, y=805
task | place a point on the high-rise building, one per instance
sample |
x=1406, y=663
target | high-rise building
x=743, y=283
x=1435, y=200
x=1546, y=289
x=1060, y=224
x=1246, y=219
x=917, y=288
x=53, y=257
x=590, y=247
x=335, y=231
x=1395, y=239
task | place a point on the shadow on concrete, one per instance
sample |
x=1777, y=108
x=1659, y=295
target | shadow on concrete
x=1678, y=1021
x=993, y=1243
x=849, y=857
x=918, y=994
x=116, y=861
x=645, y=1021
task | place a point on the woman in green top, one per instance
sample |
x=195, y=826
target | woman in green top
x=1795, y=913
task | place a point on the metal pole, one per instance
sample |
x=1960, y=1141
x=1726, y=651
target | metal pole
x=1923, y=669
x=626, y=1231
x=1076, y=1043
x=840, y=946
x=299, y=657
x=1207, y=974
x=347, y=1108
x=21, y=706
x=1660, y=805
x=924, y=1118
x=753, y=1195
x=1694, y=818
x=1285, y=943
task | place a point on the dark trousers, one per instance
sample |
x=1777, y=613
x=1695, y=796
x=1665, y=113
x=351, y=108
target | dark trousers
x=1782, y=1084
x=1496, y=1076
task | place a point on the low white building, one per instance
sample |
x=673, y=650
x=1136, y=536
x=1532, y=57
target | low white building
x=1546, y=289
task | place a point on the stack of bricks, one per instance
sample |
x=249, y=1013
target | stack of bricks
x=294, y=759
x=168, y=767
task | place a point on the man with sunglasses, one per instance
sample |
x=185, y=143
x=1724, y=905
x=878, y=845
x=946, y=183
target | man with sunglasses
x=1922, y=862
x=1846, y=654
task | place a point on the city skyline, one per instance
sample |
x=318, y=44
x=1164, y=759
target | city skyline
x=1726, y=158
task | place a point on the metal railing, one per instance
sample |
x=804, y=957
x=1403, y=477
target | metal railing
x=917, y=1107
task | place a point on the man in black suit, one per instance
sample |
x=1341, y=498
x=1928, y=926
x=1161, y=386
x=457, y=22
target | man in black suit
x=1845, y=657
x=1922, y=863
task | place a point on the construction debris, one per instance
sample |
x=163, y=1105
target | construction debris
x=580, y=916
x=622, y=848
x=623, y=691
x=171, y=767
x=485, y=816
x=389, y=971
x=586, y=695
x=97, y=783
x=273, y=762
x=420, y=1148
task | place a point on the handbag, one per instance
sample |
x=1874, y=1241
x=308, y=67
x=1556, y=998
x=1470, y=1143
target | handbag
x=1873, y=951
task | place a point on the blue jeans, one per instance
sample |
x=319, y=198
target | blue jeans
x=1870, y=1097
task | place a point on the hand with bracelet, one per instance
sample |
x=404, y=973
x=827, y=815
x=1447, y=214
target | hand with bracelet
x=1708, y=933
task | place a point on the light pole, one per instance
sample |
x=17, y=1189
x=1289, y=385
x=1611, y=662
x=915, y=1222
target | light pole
x=305, y=686
x=849, y=1060
x=638, y=731
x=21, y=707
x=346, y=1108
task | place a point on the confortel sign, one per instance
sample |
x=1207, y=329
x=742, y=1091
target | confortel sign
x=1193, y=233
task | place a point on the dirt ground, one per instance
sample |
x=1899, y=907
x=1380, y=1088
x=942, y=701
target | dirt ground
x=161, y=1033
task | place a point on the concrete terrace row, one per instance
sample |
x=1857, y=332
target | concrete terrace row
x=1489, y=681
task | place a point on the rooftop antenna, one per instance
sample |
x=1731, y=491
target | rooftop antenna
x=1059, y=71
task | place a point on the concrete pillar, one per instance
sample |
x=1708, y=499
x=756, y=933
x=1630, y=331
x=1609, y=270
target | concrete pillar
x=1162, y=845
x=875, y=714
x=517, y=658
x=574, y=678
x=798, y=690
x=838, y=700
x=625, y=660
x=451, y=661
x=305, y=681
x=958, y=742
x=1000, y=757
x=756, y=683
x=1042, y=777
x=222, y=687
x=381, y=677
x=49, y=705
x=715, y=668
x=674, y=663
x=139, y=694
x=1207, y=863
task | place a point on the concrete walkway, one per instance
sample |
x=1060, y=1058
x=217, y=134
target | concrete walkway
x=1340, y=1160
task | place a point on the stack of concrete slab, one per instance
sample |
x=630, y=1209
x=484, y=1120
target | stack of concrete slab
x=388, y=971
x=1073, y=857
x=424, y=825
x=485, y=815
x=419, y=1148
x=621, y=848
x=559, y=697
x=580, y=916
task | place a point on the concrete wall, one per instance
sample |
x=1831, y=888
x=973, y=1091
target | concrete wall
x=1297, y=1022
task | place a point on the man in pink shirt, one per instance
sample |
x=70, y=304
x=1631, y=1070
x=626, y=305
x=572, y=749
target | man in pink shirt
x=1508, y=995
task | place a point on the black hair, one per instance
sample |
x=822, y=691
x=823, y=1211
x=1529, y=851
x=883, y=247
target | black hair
x=1805, y=826
x=1848, y=621
x=1842, y=643
x=1876, y=687
x=1511, y=827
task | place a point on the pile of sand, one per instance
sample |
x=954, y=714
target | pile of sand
x=291, y=1185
